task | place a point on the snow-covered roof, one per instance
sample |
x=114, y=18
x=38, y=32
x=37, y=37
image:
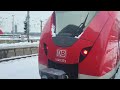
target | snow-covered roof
x=11, y=38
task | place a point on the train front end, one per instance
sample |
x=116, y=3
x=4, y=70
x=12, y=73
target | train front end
x=66, y=49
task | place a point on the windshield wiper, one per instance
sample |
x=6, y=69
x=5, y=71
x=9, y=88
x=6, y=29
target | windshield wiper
x=81, y=27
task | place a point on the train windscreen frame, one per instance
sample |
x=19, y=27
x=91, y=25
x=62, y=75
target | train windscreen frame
x=71, y=23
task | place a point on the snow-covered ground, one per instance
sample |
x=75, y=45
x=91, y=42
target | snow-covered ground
x=26, y=68
x=19, y=45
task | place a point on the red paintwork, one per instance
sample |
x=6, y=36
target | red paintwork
x=103, y=33
x=1, y=32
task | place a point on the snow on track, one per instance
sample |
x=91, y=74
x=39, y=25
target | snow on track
x=25, y=68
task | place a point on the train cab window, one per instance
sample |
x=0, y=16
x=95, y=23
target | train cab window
x=72, y=23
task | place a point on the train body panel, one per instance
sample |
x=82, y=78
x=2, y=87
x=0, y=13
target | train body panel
x=91, y=52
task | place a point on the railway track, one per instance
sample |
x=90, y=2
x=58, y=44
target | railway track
x=17, y=57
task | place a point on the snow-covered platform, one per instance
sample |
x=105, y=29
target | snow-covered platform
x=18, y=49
x=18, y=45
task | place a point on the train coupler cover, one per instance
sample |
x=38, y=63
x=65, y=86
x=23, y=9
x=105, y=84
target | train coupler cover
x=51, y=73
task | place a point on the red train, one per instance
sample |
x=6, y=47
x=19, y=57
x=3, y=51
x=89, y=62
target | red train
x=1, y=32
x=80, y=44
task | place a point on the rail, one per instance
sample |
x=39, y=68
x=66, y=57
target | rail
x=17, y=57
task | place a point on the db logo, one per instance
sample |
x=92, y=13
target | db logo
x=61, y=53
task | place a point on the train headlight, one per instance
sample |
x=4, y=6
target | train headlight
x=84, y=52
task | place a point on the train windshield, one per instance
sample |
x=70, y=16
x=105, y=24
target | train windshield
x=71, y=23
